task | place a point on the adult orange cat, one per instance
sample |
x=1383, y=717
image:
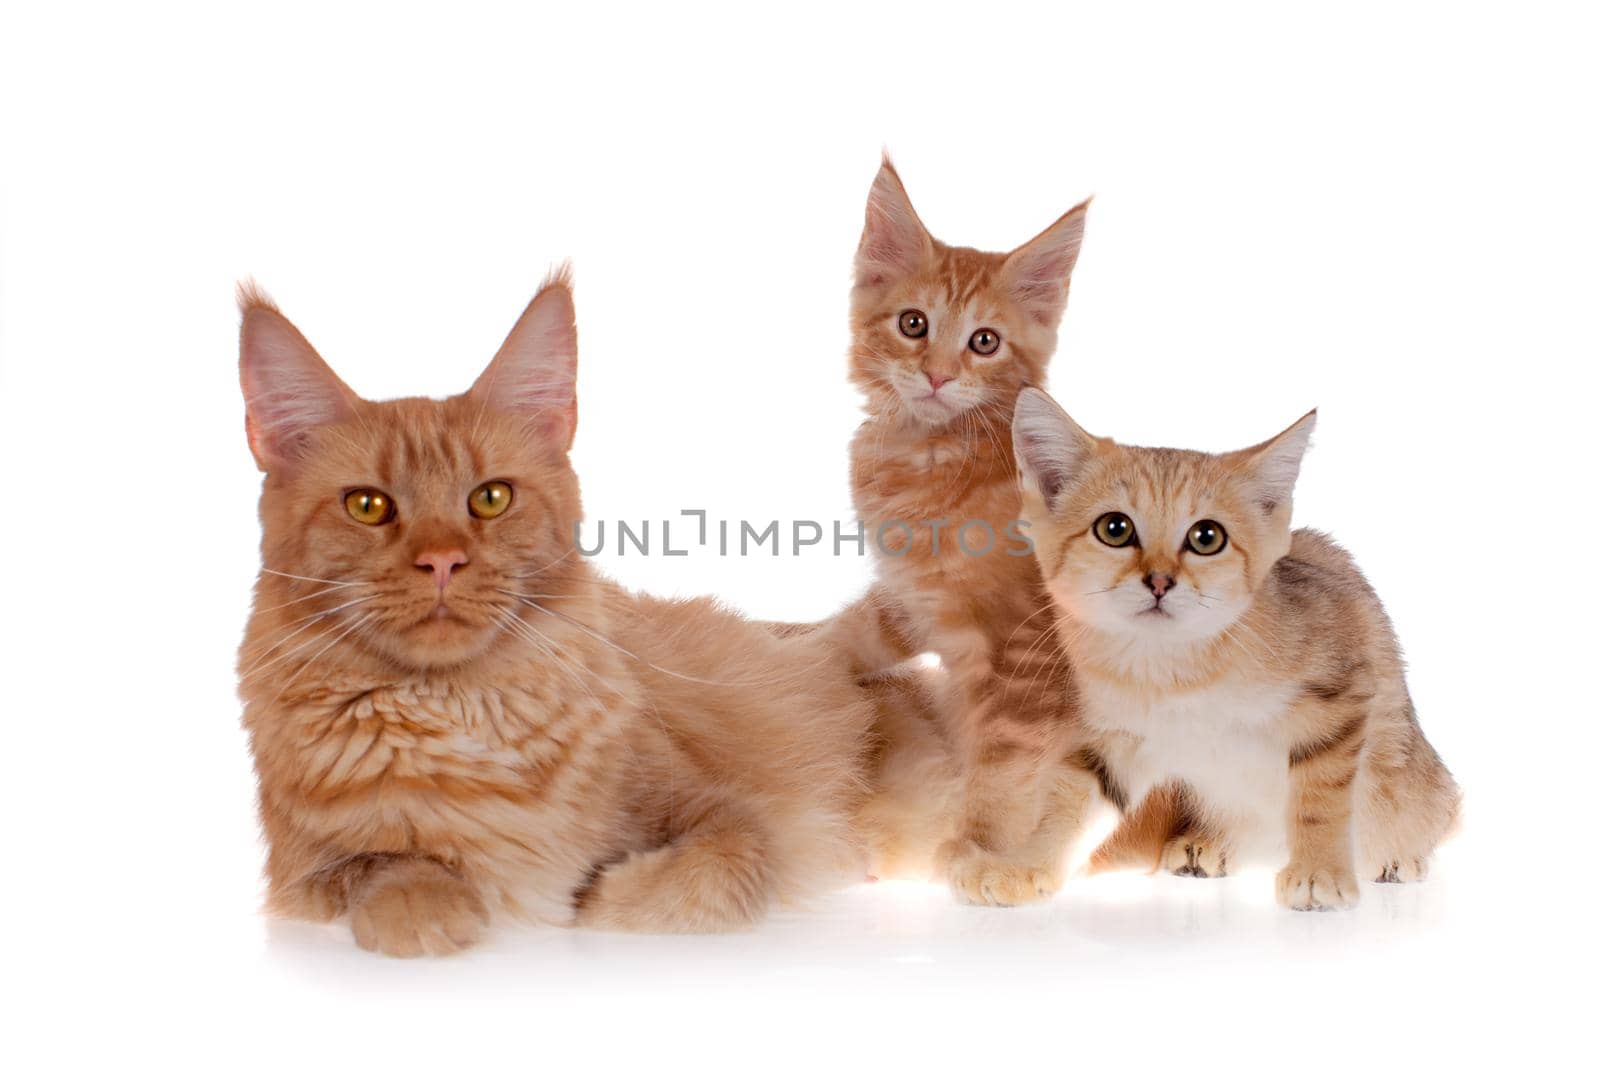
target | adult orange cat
x=454, y=719
x=942, y=340
x=1244, y=674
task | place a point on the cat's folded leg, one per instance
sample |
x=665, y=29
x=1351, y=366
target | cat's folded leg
x=1322, y=772
x=406, y=905
x=1163, y=832
x=1198, y=846
x=717, y=875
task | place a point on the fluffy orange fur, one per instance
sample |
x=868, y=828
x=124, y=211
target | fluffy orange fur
x=455, y=720
x=942, y=340
x=1239, y=683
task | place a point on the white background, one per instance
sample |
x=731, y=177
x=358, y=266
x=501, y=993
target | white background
x=1388, y=212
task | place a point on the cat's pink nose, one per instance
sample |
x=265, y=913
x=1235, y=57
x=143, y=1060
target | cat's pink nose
x=936, y=379
x=442, y=563
x=1159, y=584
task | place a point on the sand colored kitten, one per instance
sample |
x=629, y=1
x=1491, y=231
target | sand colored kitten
x=1245, y=674
x=454, y=719
x=943, y=338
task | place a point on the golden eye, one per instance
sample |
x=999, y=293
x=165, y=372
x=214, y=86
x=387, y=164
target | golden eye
x=913, y=323
x=490, y=500
x=370, y=507
x=1114, y=529
x=984, y=342
x=1207, y=538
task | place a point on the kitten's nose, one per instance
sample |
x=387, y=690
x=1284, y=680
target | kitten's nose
x=441, y=562
x=936, y=379
x=1159, y=583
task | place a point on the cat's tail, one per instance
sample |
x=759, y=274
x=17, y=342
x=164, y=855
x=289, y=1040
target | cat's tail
x=791, y=629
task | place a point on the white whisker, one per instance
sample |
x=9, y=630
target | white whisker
x=359, y=622
x=257, y=664
x=307, y=578
x=613, y=645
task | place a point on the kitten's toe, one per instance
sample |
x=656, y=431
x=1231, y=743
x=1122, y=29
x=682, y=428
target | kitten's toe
x=1312, y=887
x=1193, y=856
x=1412, y=870
x=432, y=915
x=978, y=876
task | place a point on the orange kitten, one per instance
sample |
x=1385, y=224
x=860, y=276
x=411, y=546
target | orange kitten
x=943, y=338
x=1245, y=673
x=455, y=720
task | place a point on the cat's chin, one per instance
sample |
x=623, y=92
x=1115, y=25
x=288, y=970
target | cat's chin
x=930, y=411
x=1171, y=626
x=439, y=642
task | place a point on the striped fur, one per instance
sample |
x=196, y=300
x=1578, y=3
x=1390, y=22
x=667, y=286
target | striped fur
x=1260, y=704
x=936, y=448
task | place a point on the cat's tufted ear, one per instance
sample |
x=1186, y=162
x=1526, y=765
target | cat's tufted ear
x=1273, y=466
x=1051, y=448
x=536, y=370
x=1038, y=273
x=288, y=389
x=894, y=241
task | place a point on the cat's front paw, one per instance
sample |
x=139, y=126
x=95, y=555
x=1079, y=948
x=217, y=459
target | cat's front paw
x=707, y=882
x=1317, y=887
x=1194, y=856
x=418, y=912
x=978, y=876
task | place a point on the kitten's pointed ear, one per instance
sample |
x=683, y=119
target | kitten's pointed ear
x=1038, y=273
x=1051, y=448
x=894, y=241
x=288, y=389
x=536, y=370
x=1274, y=466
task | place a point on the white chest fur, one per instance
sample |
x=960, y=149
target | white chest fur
x=1225, y=740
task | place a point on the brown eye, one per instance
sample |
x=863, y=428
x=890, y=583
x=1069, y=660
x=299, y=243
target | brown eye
x=984, y=342
x=913, y=323
x=370, y=507
x=1114, y=529
x=1206, y=538
x=489, y=500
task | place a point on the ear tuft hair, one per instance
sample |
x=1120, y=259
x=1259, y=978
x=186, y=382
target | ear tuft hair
x=249, y=295
x=558, y=276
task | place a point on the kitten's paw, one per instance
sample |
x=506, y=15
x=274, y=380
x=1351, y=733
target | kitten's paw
x=1412, y=870
x=1193, y=856
x=978, y=876
x=418, y=912
x=1313, y=887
